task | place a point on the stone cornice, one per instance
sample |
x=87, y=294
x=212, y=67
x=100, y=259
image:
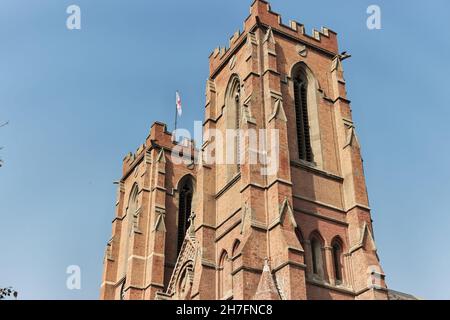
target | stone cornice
x=227, y=231
x=290, y=263
x=322, y=204
x=317, y=171
x=320, y=216
x=229, y=184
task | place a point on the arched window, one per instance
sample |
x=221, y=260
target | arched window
x=237, y=101
x=129, y=224
x=337, y=261
x=302, y=117
x=315, y=253
x=233, y=125
x=186, y=192
x=225, y=277
x=133, y=210
x=184, y=282
x=317, y=257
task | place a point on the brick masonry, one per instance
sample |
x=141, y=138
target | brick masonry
x=251, y=235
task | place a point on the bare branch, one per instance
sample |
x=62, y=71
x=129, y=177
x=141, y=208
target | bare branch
x=1, y=148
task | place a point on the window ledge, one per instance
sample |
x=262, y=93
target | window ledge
x=321, y=283
x=312, y=167
x=228, y=185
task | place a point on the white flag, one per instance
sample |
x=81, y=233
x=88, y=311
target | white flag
x=179, y=109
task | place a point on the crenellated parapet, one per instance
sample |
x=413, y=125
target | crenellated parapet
x=262, y=15
x=158, y=138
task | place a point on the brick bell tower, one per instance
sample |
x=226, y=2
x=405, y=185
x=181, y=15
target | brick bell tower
x=206, y=230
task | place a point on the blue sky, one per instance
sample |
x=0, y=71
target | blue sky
x=78, y=101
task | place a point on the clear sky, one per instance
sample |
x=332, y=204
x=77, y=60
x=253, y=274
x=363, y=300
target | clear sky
x=78, y=101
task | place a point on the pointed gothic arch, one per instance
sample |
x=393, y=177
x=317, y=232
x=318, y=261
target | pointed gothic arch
x=225, y=280
x=306, y=101
x=130, y=223
x=185, y=199
x=317, y=244
x=183, y=284
x=133, y=207
x=233, y=115
x=337, y=252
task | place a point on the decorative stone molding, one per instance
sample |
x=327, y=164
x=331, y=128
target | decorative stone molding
x=148, y=157
x=251, y=38
x=210, y=85
x=269, y=37
x=246, y=219
x=135, y=217
x=366, y=239
x=352, y=139
x=285, y=209
x=278, y=111
x=246, y=113
x=302, y=50
x=160, y=224
x=251, y=44
x=140, y=149
x=161, y=158
x=232, y=63
x=109, y=250
x=180, y=284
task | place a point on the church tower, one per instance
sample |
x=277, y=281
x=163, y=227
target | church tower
x=287, y=218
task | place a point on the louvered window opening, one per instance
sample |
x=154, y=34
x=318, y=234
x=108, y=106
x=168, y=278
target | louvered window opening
x=238, y=126
x=184, y=213
x=302, y=121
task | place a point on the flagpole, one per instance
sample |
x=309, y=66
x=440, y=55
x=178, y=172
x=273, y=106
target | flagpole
x=176, y=121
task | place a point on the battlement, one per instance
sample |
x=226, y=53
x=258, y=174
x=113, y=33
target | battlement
x=159, y=137
x=261, y=14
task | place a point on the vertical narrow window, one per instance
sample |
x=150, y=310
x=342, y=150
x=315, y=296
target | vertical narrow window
x=133, y=211
x=232, y=146
x=129, y=226
x=221, y=288
x=184, y=209
x=337, y=254
x=315, y=253
x=317, y=257
x=238, y=126
x=302, y=120
x=225, y=278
